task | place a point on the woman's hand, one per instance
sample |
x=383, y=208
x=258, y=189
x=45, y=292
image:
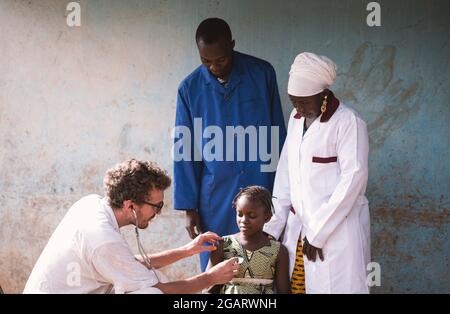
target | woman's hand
x=311, y=251
x=198, y=245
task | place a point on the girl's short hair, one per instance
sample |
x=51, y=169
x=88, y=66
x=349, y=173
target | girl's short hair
x=256, y=194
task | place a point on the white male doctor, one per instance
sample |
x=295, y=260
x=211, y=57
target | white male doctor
x=320, y=184
x=87, y=253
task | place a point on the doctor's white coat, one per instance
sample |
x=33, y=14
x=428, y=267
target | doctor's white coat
x=319, y=193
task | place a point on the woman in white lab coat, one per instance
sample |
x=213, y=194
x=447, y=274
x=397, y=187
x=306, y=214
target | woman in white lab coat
x=320, y=206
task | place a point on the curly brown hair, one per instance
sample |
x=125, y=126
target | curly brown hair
x=132, y=180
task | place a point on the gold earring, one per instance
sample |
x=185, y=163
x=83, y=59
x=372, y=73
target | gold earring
x=323, y=108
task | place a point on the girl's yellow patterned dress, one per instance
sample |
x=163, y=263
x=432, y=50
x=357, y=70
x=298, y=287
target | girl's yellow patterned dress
x=256, y=272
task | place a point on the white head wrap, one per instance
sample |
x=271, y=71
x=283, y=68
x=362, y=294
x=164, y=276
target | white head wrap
x=310, y=74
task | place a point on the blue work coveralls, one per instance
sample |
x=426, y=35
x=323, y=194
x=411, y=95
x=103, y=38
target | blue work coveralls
x=249, y=98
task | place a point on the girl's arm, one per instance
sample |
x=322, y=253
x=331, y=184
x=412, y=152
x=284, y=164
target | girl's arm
x=217, y=255
x=282, y=281
x=215, y=258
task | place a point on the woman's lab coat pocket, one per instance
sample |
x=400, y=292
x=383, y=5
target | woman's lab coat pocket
x=324, y=172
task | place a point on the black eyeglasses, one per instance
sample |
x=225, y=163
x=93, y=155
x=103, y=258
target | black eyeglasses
x=158, y=207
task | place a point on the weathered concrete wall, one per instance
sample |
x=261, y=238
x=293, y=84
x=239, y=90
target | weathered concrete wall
x=74, y=101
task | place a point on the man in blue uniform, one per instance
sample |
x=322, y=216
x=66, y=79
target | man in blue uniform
x=232, y=100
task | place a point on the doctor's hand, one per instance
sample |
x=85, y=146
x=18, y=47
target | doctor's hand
x=193, y=222
x=311, y=251
x=198, y=244
x=224, y=271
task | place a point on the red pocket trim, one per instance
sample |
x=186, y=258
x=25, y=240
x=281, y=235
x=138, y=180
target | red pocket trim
x=322, y=160
x=293, y=210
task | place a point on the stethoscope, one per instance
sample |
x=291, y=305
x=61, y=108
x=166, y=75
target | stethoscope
x=144, y=256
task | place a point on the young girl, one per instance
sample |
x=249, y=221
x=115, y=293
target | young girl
x=263, y=262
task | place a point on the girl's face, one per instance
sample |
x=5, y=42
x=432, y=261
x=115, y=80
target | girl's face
x=249, y=217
